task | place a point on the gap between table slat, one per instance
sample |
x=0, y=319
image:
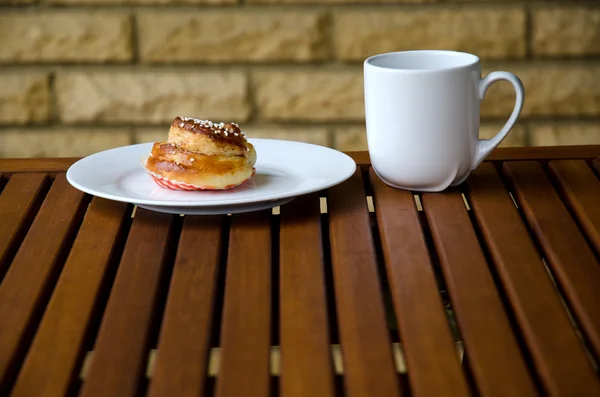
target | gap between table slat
x=275, y=290
x=30, y=279
x=19, y=202
x=182, y=358
x=568, y=254
x=365, y=340
x=307, y=368
x=581, y=190
x=3, y=181
x=56, y=350
x=334, y=335
x=122, y=344
x=555, y=349
x=493, y=352
x=245, y=328
x=430, y=353
x=219, y=297
x=275, y=358
x=596, y=166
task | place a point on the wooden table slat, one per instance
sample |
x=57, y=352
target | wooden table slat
x=554, y=347
x=571, y=259
x=433, y=366
x=509, y=311
x=581, y=191
x=48, y=165
x=545, y=153
x=17, y=210
x=52, y=361
x=493, y=351
x=306, y=361
x=246, y=324
x=121, y=348
x=366, y=347
x=30, y=278
x=181, y=361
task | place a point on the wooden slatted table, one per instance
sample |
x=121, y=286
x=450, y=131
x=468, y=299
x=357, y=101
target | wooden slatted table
x=489, y=289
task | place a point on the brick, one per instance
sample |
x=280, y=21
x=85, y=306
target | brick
x=218, y=36
x=549, y=91
x=566, y=31
x=355, y=138
x=16, y=2
x=314, y=135
x=516, y=137
x=147, y=97
x=139, y=2
x=351, y=138
x=337, y=1
x=549, y=134
x=310, y=95
x=59, y=142
x=24, y=98
x=65, y=37
x=488, y=33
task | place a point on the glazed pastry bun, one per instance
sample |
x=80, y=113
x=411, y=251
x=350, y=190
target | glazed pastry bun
x=202, y=155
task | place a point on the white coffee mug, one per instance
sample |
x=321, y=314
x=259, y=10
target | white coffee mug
x=422, y=116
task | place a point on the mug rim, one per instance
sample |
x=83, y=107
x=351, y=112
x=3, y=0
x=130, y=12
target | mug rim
x=474, y=60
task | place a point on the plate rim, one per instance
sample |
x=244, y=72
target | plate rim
x=232, y=202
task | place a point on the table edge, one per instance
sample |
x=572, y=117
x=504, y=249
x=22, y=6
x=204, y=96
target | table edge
x=61, y=164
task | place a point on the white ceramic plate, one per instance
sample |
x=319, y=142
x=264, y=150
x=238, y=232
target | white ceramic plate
x=284, y=170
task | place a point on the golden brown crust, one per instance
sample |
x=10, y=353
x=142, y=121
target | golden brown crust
x=178, y=164
x=207, y=137
x=204, y=154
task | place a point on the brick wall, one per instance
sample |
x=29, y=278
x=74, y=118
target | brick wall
x=78, y=76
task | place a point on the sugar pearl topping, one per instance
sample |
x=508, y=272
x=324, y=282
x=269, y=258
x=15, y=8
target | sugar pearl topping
x=216, y=128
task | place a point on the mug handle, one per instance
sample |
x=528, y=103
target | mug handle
x=485, y=146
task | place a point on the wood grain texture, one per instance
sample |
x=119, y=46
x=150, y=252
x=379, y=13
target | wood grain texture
x=567, y=253
x=306, y=361
x=545, y=153
x=30, y=278
x=581, y=190
x=52, y=361
x=360, y=157
x=516, y=153
x=182, y=357
x=18, y=205
x=433, y=366
x=366, y=347
x=121, y=348
x=497, y=363
x=36, y=165
x=246, y=325
x=555, y=349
